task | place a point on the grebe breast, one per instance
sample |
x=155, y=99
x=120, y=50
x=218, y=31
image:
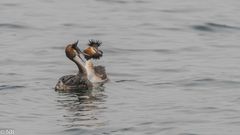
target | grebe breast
x=96, y=74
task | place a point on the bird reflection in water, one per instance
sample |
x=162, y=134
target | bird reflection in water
x=83, y=108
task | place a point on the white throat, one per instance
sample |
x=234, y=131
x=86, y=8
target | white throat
x=91, y=72
x=78, y=60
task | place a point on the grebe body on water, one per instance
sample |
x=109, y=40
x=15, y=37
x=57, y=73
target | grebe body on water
x=82, y=79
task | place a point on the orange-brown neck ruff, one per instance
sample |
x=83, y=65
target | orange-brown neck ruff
x=92, y=53
x=70, y=52
x=89, y=51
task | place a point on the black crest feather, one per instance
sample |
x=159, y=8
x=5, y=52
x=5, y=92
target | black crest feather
x=94, y=43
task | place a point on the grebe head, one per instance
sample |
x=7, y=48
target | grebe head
x=92, y=51
x=72, y=51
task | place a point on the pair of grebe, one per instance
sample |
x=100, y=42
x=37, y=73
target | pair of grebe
x=88, y=75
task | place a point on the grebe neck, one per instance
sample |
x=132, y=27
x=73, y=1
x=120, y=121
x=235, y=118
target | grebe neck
x=90, y=70
x=80, y=64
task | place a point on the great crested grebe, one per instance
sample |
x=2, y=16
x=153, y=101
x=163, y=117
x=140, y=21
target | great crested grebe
x=95, y=74
x=80, y=80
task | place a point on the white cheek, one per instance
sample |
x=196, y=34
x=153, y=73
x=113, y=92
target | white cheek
x=75, y=51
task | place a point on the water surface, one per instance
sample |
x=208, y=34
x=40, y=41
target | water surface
x=173, y=65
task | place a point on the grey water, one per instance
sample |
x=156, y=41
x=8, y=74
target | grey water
x=174, y=67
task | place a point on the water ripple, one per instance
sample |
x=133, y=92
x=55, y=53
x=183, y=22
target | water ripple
x=203, y=28
x=222, y=26
x=119, y=81
x=10, y=4
x=80, y=110
x=213, y=27
x=114, y=1
x=208, y=82
x=12, y=26
x=188, y=134
x=6, y=87
x=162, y=51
